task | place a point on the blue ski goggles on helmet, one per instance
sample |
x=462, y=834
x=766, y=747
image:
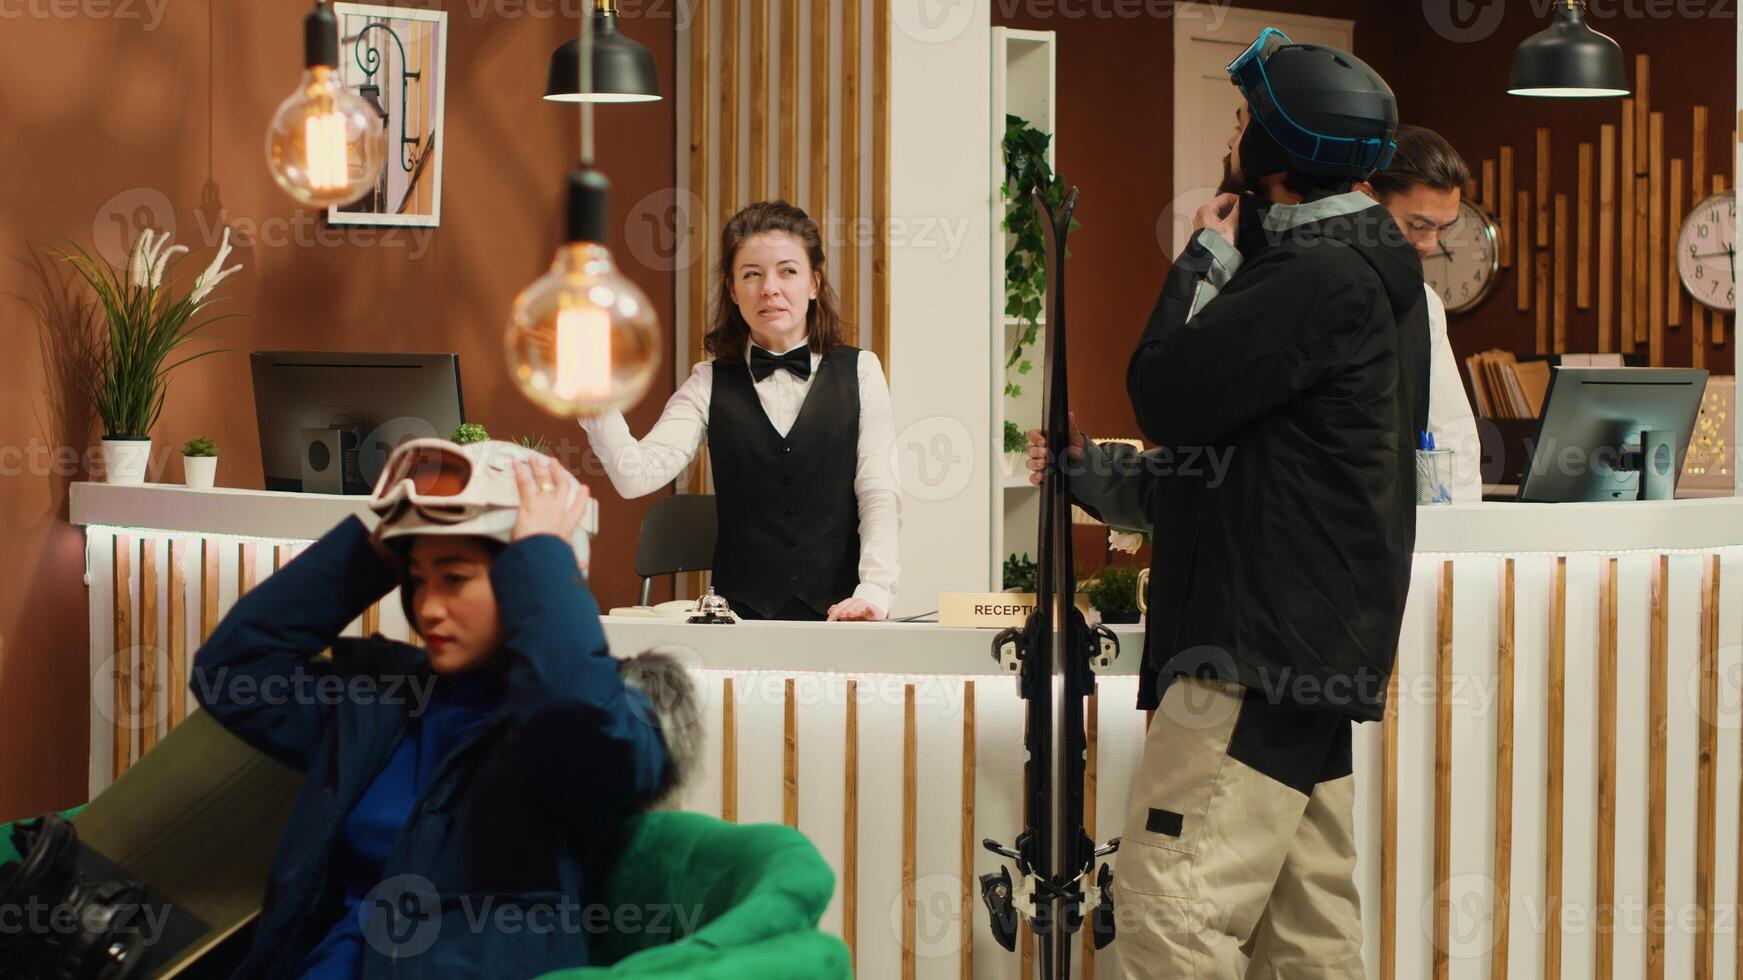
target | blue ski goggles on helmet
x=1248, y=74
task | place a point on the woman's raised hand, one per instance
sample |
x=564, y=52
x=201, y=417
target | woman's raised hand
x=552, y=501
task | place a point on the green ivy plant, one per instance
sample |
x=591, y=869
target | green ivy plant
x=467, y=432
x=200, y=446
x=1026, y=170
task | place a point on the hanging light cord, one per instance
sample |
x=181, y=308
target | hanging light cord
x=584, y=86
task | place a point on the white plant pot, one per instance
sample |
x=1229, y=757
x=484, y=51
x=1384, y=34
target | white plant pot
x=198, y=471
x=124, y=460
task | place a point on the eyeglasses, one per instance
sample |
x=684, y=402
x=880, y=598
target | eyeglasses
x=1248, y=73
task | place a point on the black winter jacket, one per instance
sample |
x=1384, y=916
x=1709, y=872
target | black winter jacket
x=1308, y=369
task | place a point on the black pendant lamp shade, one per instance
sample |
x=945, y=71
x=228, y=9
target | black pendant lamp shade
x=623, y=70
x=1569, y=60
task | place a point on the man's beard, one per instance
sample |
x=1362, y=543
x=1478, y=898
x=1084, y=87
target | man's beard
x=1232, y=182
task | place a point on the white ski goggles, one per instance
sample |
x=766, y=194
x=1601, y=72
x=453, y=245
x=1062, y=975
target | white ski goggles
x=444, y=482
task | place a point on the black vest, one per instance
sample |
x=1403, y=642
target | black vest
x=789, y=516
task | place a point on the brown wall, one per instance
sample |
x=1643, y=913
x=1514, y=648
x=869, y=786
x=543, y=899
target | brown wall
x=105, y=114
x=1115, y=117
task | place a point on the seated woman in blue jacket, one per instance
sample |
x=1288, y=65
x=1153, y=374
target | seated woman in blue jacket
x=456, y=794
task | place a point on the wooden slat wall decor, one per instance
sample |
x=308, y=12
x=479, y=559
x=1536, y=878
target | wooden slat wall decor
x=1583, y=261
x=759, y=101
x=1543, y=192
x=1697, y=183
x=146, y=723
x=1556, y=751
x=1488, y=199
x=1717, y=317
x=790, y=758
x=178, y=633
x=1657, y=763
x=1443, y=752
x=121, y=585
x=851, y=148
x=1673, y=282
x=880, y=298
x=1626, y=220
x=729, y=99
x=208, y=588
x=1542, y=298
x=372, y=619
x=850, y=829
x=1655, y=237
x=697, y=273
x=1503, y=868
x=1606, y=239
x=910, y=830
x=1643, y=291
x=1642, y=104
x=789, y=183
x=245, y=578
x=965, y=901
x=1706, y=816
x=1522, y=237
x=1561, y=296
x=1507, y=204
x=1605, y=964
x=728, y=754
x=820, y=17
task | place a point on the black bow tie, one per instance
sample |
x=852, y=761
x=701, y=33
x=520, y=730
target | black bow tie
x=797, y=360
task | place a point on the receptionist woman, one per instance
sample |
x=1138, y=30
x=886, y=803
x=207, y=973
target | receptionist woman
x=798, y=428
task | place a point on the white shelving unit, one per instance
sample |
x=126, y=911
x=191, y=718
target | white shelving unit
x=1023, y=67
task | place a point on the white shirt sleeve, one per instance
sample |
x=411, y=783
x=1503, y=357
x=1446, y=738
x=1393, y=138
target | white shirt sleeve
x=638, y=468
x=1449, y=412
x=874, y=483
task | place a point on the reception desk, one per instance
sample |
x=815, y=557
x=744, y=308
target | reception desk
x=1558, y=779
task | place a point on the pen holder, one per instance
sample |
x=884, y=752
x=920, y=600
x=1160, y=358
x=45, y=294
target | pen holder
x=1434, y=476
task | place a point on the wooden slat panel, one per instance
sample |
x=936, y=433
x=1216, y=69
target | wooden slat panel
x=699, y=161
x=1718, y=318
x=1545, y=309
x=1503, y=871
x=1625, y=222
x=965, y=902
x=1488, y=187
x=208, y=588
x=1543, y=193
x=1706, y=830
x=178, y=633
x=852, y=145
x=1389, y=832
x=1657, y=765
x=759, y=100
x=1522, y=239
x=790, y=101
x=1583, y=261
x=880, y=297
x=728, y=753
x=1642, y=259
x=821, y=11
x=1561, y=297
x=1607, y=239
x=245, y=557
x=1506, y=202
x=730, y=45
x=1673, y=282
x=1656, y=247
x=1552, y=850
x=121, y=589
x=790, y=758
x=1605, y=966
x=850, y=830
x=146, y=726
x=910, y=829
x=1642, y=105
x=1697, y=191
x=1443, y=753
x=372, y=619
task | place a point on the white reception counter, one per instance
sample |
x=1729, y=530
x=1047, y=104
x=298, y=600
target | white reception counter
x=1558, y=757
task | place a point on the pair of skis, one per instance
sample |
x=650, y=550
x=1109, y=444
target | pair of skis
x=1055, y=657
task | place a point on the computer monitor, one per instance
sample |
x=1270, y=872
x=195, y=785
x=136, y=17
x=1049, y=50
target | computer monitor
x=328, y=420
x=1589, y=443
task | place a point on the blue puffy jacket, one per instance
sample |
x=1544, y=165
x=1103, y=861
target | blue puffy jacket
x=487, y=879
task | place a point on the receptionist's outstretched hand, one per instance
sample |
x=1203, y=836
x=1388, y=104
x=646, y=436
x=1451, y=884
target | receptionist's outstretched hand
x=850, y=610
x=552, y=501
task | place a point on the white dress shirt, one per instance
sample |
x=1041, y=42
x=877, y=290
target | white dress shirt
x=1449, y=412
x=638, y=468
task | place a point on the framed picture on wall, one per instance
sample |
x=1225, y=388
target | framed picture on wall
x=397, y=59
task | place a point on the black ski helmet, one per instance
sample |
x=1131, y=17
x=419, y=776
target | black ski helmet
x=1326, y=110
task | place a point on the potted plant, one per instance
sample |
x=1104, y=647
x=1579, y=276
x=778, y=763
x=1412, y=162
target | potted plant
x=538, y=444
x=1115, y=593
x=199, y=462
x=1026, y=171
x=131, y=360
x=467, y=432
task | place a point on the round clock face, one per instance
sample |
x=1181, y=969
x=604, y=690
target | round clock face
x=1465, y=269
x=1706, y=252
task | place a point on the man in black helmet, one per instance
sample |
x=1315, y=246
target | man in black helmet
x=1291, y=339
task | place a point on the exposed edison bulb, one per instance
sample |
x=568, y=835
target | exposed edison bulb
x=583, y=340
x=326, y=145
